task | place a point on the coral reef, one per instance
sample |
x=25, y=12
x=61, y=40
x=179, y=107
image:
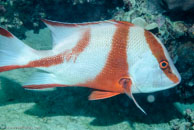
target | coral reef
x=183, y=5
x=187, y=123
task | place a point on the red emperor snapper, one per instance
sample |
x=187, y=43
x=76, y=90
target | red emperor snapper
x=111, y=57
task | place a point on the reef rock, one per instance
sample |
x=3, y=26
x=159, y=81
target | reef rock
x=182, y=5
x=184, y=124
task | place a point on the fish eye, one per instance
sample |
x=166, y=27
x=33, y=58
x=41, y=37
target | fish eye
x=163, y=64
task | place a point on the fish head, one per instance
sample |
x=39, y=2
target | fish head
x=153, y=70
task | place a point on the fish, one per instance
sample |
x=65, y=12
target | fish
x=110, y=57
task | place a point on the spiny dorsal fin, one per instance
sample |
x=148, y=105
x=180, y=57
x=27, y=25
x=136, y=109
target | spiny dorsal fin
x=5, y=33
x=63, y=24
x=62, y=31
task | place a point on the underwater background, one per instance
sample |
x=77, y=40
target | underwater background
x=68, y=108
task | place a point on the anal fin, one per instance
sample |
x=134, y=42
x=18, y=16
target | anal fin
x=96, y=95
x=41, y=80
x=43, y=86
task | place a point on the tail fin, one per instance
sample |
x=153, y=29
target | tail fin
x=13, y=52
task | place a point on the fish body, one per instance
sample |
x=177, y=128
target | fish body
x=111, y=57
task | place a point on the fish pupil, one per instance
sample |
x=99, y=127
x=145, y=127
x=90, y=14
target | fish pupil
x=163, y=64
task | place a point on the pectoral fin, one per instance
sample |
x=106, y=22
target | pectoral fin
x=96, y=95
x=127, y=83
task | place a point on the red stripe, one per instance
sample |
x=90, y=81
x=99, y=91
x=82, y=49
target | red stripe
x=47, y=62
x=80, y=47
x=5, y=33
x=116, y=66
x=53, y=23
x=44, y=86
x=57, y=59
x=10, y=67
x=158, y=52
x=125, y=23
x=70, y=54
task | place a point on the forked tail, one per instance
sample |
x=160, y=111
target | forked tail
x=14, y=53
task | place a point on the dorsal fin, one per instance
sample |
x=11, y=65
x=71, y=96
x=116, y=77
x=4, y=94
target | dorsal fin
x=61, y=31
x=63, y=24
x=5, y=33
